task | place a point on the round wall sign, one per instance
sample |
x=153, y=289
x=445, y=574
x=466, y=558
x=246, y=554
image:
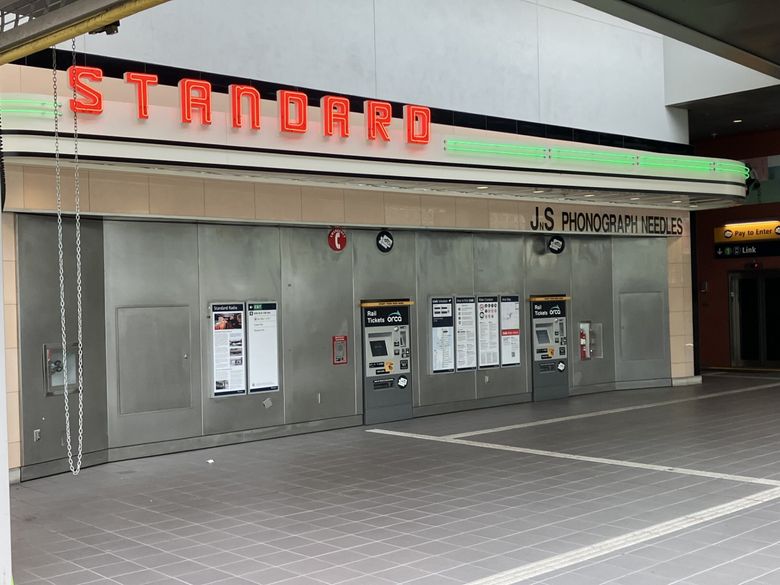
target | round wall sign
x=556, y=244
x=337, y=239
x=384, y=241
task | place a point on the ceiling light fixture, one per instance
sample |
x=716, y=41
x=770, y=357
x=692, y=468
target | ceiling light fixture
x=635, y=199
x=676, y=201
x=589, y=195
x=738, y=121
x=537, y=191
x=481, y=187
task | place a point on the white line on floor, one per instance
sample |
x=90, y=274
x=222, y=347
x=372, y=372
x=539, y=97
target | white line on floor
x=731, y=376
x=601, y=460
x=586, y=553
x=550, y=421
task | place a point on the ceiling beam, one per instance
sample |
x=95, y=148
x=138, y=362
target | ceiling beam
x=625, y=10
x=64, y=24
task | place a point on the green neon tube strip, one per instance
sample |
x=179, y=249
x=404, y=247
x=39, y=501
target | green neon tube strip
x=30, y=102
x=595, y=156
x=735, y=168
x=515, y=150
x=29, y=112
x=476, y=144
x=501, y=152
x=704, y=168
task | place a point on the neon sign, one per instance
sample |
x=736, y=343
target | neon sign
x=195, y=106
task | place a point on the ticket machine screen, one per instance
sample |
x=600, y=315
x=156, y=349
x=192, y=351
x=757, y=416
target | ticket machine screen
x=542, y=336
x=378, y=347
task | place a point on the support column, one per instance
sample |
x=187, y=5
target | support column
x=5, y=498
x=681, y=310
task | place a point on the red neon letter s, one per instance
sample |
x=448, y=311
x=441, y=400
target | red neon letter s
x=378, y=118
x=91, y=100
x=286, y=100
x=335, y=109
x=236, y=93
x=142, y=82
x=417, y=120
x=190, y=102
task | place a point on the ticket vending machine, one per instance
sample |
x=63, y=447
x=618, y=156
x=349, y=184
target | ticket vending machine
x=387, y=361
x=550, y=373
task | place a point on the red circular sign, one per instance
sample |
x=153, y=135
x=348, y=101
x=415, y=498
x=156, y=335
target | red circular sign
x=337, y=239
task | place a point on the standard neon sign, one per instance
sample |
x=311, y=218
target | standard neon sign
x=245, y=107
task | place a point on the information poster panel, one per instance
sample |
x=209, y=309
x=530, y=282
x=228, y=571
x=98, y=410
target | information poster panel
x=510, y=330
x=466, y=333
x=262, y=346
x=442, y=335
x=487, y=313
x=228, y=348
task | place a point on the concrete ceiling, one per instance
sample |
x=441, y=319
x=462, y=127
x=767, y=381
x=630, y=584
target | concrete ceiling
x=743, y=31
x=28, y=26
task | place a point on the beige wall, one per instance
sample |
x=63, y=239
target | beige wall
x=29, y=188
x=680, y=307
x=13, y=411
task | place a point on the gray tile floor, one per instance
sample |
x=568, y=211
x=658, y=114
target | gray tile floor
x=361, y=508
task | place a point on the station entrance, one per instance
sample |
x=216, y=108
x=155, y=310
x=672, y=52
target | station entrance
x=755, y=319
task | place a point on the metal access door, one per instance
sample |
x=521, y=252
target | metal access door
x=755, y=319
x=152, y=332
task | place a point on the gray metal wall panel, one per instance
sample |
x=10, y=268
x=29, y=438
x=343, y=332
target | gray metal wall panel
x=163, y=383
x=238, y=263
x=383, y=276
x=547, y=274
x=640, y=266
x=445, y=266
x=39, y=324
x=317, y=304
x=591, y=301
x=499, y=268
x=151, y=264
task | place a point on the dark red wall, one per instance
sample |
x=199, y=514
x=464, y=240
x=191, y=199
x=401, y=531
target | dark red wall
x=741, y=146
x=714, y=333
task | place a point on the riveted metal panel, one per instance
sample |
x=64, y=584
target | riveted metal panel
x=39, y=325
x=499, y=268
x=164, y=382
x=641, y=306
x=317, y=303
x=238, y=263
x=445, y=267
x=548, y=274
x=591, y=290
x=152, y=264
x=384, y=275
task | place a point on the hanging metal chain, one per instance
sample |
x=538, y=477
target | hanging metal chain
x=79, y=321
x=75, y=467
x=60, y=256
